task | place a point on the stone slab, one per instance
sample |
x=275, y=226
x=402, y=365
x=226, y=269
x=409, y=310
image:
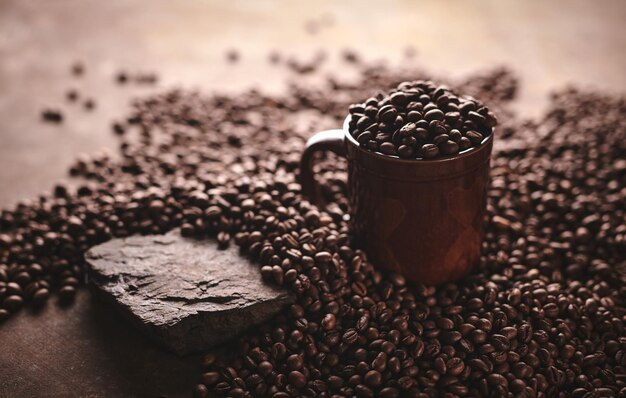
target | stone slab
x=184, y=293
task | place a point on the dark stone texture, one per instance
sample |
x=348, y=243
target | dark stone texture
x=186, y=294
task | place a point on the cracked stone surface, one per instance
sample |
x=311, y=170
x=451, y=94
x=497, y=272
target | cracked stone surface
x=184, y=293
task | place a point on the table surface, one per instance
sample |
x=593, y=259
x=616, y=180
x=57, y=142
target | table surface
x=86, y=349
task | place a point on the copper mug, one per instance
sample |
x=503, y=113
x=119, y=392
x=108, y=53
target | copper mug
x=420, y=218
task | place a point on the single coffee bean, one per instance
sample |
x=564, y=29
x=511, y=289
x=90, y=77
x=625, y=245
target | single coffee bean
x=497, y=380
x=437, y=127
x=464, y=143
x=449, y=148
x=350, y=336
x=405, y=151
x=295, y=362
x=389, y=392
x=210, y=378
x=407, y=129
x=329, y=321
x=399, y=99
x=41, y=295
x=475, y=137
x=440, y=365
x=364, y=137
x=476, y=117
x=388, y=148
x=387, y=114
x=430, y=151
x=455, y=366
x=201, y=391
x=440, y=139
x=455, y=135
x=373, y=378
x=500, y=342
x=434, y=114
x=12, y=303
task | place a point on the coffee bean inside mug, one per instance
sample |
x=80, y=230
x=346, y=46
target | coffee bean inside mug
x=420, y=120
x=418, y=169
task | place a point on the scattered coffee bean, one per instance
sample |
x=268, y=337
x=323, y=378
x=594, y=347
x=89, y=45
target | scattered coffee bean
x=78, y=68
x=72, y=95
x=121, y=77
x=52, y=115
x=274, y=57
x=147, y=78
x=232, y=55
x=89, y=104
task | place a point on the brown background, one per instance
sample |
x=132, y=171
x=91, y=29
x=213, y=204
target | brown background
x=85, y=350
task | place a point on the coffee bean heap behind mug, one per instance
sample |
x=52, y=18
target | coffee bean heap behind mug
x=420, y=120
x=542, y=316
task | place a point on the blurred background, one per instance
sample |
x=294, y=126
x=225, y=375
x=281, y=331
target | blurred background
x=188, y=43
x=549, y=44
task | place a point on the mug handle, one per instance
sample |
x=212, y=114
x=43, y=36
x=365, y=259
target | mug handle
x=329, y=140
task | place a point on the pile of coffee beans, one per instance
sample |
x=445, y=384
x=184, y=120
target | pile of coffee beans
x=420, y=120
x=542, y=316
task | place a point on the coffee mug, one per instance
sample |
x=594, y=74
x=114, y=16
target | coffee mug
x=420, y=218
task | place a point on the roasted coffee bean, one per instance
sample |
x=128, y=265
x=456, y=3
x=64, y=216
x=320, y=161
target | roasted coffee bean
x=373, y=378
x=386, y=114
x=405, y=151
x=497, y=380
x=464, y=143
x=440, y=365
x=430, y=151
x=78, y=69
x=449, y=148
x=350, y=336
x=89, y=104
x=389, y=392
x=380, y=362
x=398, y=99
x=329, y=321
x=210, y=378
x=295, y=362
x=201, y=391
x=72, y=95
x=41, y=295
x=434, y=114
x=297, y=379
x=12, y=303
x=476, y=117
x=388, y=148
x=440, y=139
x=500, y=342
x=421, y=134
x=474, y=136
x=52, y=115
x=455, y=366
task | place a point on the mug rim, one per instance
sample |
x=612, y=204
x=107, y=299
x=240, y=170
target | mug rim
x=396, y=158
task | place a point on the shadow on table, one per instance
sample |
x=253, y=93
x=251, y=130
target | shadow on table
x=87, y=350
